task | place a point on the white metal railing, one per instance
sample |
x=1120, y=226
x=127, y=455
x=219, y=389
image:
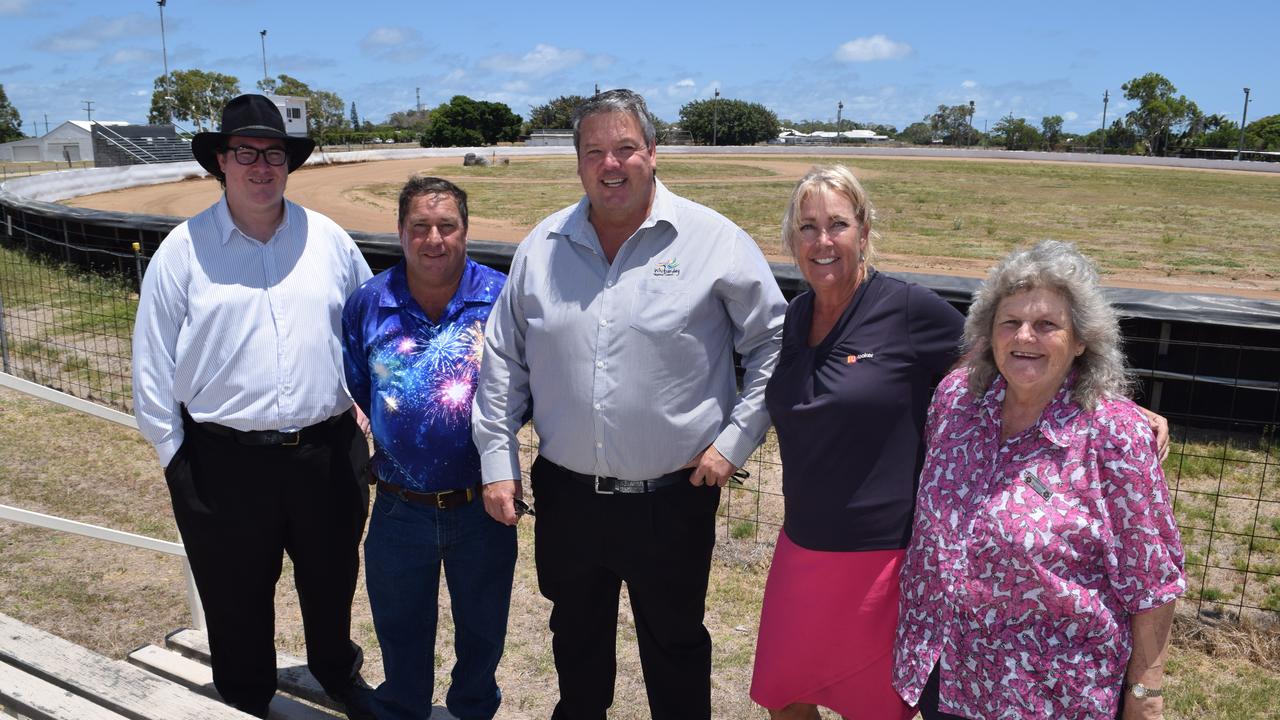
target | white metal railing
x=93, y=531
x=126, y=145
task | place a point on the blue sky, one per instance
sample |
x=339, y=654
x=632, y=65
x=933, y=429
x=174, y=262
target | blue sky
x=888, y=62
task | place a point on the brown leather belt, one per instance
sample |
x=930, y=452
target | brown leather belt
x=443, y=500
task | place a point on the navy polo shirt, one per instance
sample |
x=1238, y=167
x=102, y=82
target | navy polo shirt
x=850, y=413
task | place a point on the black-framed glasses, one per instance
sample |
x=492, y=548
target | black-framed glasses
x=524, y=508
x=246, y=155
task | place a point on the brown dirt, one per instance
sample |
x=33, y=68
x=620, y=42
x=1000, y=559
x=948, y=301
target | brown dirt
x=328, y=189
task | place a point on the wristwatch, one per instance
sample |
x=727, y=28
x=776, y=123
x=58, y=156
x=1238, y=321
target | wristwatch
x=1141, y=691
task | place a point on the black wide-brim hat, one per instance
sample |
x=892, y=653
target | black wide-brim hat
x=249, y=116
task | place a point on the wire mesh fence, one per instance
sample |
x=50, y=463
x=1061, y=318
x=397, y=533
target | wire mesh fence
x=66, y=319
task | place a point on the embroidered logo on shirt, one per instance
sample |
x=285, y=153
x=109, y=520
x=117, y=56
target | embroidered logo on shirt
x=667, y=268
x=851, y=359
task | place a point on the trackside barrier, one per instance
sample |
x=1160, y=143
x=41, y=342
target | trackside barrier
x=73, y=527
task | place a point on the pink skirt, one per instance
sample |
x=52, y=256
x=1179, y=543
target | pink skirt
x=826, y=632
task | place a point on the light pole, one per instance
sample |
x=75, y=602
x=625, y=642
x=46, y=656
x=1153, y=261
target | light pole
x=1244, y=115
x=968, y=139
x=164, y=53
x=715, y=118
x=1102, y=146
x=265, y=77
x=839, y=110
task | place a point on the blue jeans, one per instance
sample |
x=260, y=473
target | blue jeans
x=403, y=552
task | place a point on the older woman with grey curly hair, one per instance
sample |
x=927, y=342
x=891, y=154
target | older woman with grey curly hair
x=1044, y=562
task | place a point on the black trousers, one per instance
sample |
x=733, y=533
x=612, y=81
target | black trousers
x=929, y=700
x=239, y=509
x=659, y=543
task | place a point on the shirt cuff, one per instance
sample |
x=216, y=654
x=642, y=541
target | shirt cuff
x=499, y=466
x=734, y=446
x=167, y=449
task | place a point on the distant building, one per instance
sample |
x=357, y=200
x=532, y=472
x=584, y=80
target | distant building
x=543, y=137
x=789, y=136
x=294, y=111
x=71, y=141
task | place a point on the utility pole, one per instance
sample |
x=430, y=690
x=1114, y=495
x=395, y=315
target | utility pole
x=839, y=110
x=968, y=139
x=1243, y=117
x=715, y=118
x=265, y=77
x=418, y=93
x=46, y=123
x=1102, y=149
x=164, y=53
x=88, y=108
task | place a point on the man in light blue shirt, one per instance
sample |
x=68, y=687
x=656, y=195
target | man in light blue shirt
x=237, y=382
x=412, y=341
x=616, y=331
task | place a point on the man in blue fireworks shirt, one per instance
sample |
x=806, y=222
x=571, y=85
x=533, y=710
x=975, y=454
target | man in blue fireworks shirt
x=412, y=340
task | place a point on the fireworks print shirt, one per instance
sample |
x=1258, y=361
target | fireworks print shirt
x=414, y=378
x=1029, y=556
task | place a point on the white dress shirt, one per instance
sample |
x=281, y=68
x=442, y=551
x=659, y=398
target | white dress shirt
x=629, y=366
x=243, y=333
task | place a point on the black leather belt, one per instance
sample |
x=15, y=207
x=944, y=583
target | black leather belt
x=610, y=485
x=444, y=500
x=262, y=438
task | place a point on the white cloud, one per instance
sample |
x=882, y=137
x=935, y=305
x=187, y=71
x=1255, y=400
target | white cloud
x=541, y=61
x=968, y=84
x=455, y=75
x=128, y=56
x=869, y=49
x=96, y=31
x=394, y=44
x=13, y=69
x=1070, y=116
x=14, y=7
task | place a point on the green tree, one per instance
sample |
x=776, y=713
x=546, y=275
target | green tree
x=10, y=120
x=1052, y=131
x=355, y=119
x=1160, y=112
x=730, y=122
x=1263, y=133
x=951, y=123
x=466, y=122
x=415, y=120
x=326, y=112
x=1018, y=133
x=193, y=95
x=918, y=133
x=556, y=114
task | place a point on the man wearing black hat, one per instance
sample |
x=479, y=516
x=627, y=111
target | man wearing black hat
x=237, y=381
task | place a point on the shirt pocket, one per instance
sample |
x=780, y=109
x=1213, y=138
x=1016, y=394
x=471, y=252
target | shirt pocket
x=660, y=308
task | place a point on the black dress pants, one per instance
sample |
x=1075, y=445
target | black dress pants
x=239, y=508
x=659, y=543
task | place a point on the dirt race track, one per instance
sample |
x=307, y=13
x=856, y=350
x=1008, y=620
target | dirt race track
x=335, y=191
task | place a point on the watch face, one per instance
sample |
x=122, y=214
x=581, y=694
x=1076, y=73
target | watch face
x=1139, y=690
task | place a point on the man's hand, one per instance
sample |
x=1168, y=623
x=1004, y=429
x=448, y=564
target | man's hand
x=1160, y=428
x=361, y=420
x=710, y=468
x=499, y=501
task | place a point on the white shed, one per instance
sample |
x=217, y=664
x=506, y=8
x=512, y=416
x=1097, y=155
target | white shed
x=294, y=111
x=72, y=140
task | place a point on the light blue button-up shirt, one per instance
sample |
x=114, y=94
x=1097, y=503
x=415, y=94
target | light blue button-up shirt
x=244, y=333
x=628, y=367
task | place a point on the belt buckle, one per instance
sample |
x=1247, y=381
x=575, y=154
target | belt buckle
x=294, y=438
x=608, y=490
x=440, y=496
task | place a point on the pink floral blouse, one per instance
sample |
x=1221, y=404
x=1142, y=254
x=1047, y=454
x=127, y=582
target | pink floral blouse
x=1028, y=557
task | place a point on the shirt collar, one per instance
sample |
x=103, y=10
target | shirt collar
x=1059, y=422
x=574, y=226
x=473, y=288
x=227, y=226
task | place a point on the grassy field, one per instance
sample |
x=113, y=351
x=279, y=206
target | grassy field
x=1133, y=221
x=23, y=169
